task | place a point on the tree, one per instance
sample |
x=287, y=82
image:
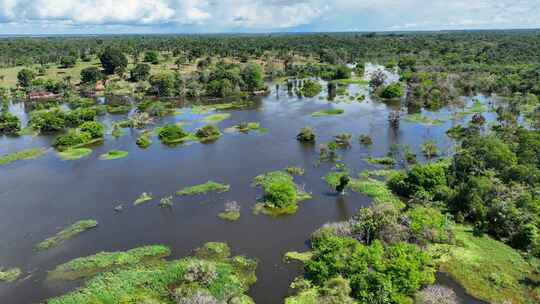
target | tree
x=140, y=72
x=94, y=128
x=68, y=62
x=111, y=59
x=25, y=78
x=91, y=75
x=392, y=91
x=152, y=57
x=252, y=75
x=162, y=84
x=9, y=123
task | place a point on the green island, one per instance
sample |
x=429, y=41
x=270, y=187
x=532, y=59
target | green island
x=66, y=234
x=207, y=187
x=21, y=155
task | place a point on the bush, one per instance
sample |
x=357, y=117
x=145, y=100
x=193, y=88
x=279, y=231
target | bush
x=172, y=134
x=140, y=72
x=68, y=62
x=80, y=115
x=309, y=88
x=430, y=177
x=91, y=75
x=72, y=138
x=113, y=59
x=306, y=135
x=152, y=57
x=25, y=78
x=208, y=133
x=94, y=128
x=392, y=91
x=9, y=123
x=47, y=120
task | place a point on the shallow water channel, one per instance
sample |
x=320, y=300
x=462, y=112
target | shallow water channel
x=39, y=196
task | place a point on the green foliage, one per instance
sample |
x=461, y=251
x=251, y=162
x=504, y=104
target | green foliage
x=21, y=155
x=9, y=275
x=46, y=121
x=91, y=75
x=204, y=188
x=327, y=112
x=377, y=190
x=385, y=160
x=295, y=170
x=231, y=212
x=74, y=153
x=144, y=141
x=94, y=128
x=309, y=88
x=67, y=62
x=394, y=272
x=430, y=178
x=216, y=118
x=105, y=261
x=66, y=234
x=253, y=78
x=306, y=135
x=72, y=139
x=140, y=72
x=80, y=115
x=114, y=154
x=392, y=91
x=281, y=194
x=171, y=134
x=113, y=59
x=208, y=133
x=152, y=57
x=25, y=78
x=143, y=198
x=162, y=84
x=9, y=123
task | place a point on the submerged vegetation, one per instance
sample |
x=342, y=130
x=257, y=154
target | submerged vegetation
x=21, y=155
x=207, y=187
x=66, y=234
x=213, y=277
x=114, y=154
x=328, y=112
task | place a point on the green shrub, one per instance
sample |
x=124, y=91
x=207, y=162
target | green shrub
x=309, y=88
x=306, y=135
x=72, y=138
x=94, y=128
x=78, y=116
x=172, y=134
x=47, y=120
x=9, y=123
x=208, y=133
x=392, y=91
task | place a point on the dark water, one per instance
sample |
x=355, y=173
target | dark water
x=37, y=197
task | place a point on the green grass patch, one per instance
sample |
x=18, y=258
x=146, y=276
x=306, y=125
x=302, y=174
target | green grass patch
x=204, y=188
x=424, y=120
x=211, y=274
x=66, y=233
x=378, y=173
x=352, y=80
x=490, y=270
x=298, y=256
x=9, y=275
x=385, y=160
x=377, y=190
x=143, y=198
x=114, y=154
x=328, y=112
x=89, y=266
x=21, y=155
x=216, y=118
x=74, y=153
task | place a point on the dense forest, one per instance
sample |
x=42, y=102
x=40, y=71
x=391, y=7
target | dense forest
x=479, y=203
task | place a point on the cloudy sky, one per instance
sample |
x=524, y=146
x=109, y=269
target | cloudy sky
x=210, y=16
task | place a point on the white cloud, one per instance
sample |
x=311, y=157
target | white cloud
x=265, y=15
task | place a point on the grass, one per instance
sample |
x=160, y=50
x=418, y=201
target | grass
x=66, y=233
x=229, y=215
x=385, y=160
x=378, y=173
x=377, y=190
x=216, y=118
x=490, y=270
x=21, y=155
x=328, y=112
x=210, y=273
x=114, y=154
x=143, y=198
x=295, y=170
x=352, y=80
x=9, y=275
x=204, y=188
x=477, y=107
x=103, y=261
x=74, y=153
x=246, y=127
x=298, y=256
x=424, y=120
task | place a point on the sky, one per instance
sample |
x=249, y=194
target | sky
x=257, y=16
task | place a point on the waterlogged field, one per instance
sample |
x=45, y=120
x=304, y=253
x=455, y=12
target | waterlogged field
x=183, y=192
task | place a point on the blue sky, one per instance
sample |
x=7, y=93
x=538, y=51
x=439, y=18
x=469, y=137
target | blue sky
x=211, y=16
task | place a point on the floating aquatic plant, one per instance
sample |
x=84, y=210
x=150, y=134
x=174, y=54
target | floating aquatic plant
x=66, y=233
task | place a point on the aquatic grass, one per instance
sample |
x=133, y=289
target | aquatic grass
x=378, y=173
x=328, y=112
x=332, y=178
x=9, y=275
x=84, y=267
x=66, y=234
x=424, y=120
x=298, y=256
x=231, y=212
x=245, y=127
x=477, y=107
x=216, y=118
x=114, y=154
x=74, y=153
x=385, y=160
x=295, y=170
x=204, y=188
x=21, y=155
x=489, y=269
x=143, y=198
x=144, y=141
x=377, y=190
x=211, y=272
